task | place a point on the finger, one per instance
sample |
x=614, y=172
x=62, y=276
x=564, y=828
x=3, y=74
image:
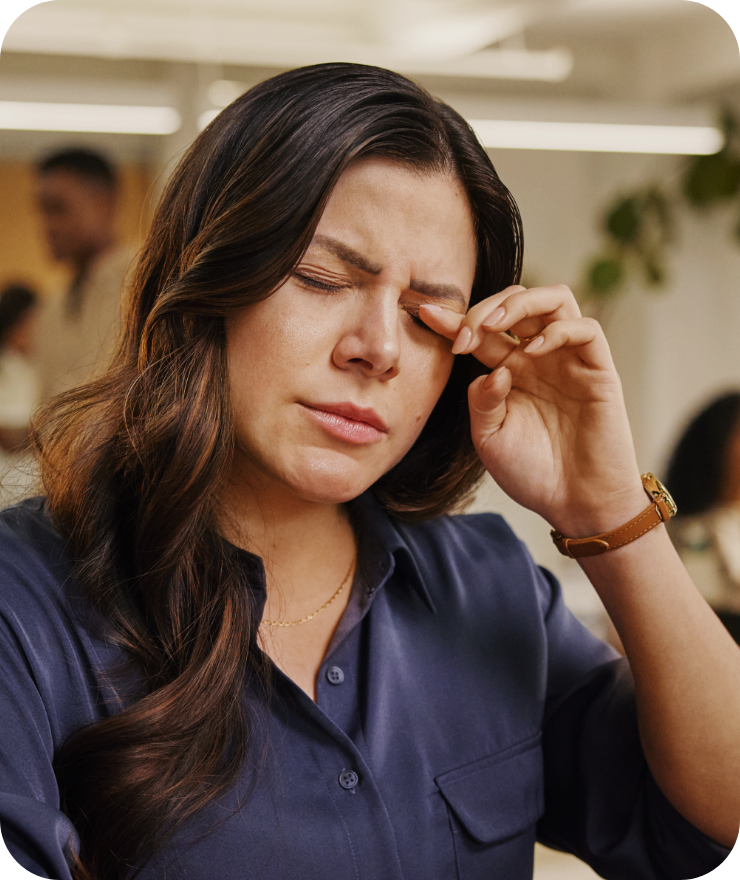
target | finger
x=521, y=311
x=526, y=313
x=487, y=401
x=441, y=320
x=447, y=323
x=472, y=319
x=584, y=333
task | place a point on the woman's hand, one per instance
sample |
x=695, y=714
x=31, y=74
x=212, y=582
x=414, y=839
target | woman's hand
x=549, y=421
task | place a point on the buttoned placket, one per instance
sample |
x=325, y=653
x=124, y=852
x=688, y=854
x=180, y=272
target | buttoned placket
x=342, y=757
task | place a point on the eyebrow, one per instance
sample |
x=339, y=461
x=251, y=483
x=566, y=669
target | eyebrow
x=447, y=292
x=347, y=254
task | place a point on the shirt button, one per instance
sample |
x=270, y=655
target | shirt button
x=348, y=779
x=334, y=675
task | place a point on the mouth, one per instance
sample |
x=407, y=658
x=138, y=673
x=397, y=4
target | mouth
x=348, y=422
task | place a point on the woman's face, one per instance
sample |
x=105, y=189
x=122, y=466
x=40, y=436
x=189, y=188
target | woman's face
x=333, y=376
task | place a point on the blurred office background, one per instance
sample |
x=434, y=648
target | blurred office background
x=156, y=71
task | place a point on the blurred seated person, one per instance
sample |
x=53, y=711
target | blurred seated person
x=19, y=389
x=19, y=386
x=77, y=196
x=704, y=476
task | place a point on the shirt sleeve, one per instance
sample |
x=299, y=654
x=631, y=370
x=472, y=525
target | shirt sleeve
x=37, y=834
x=601, y=802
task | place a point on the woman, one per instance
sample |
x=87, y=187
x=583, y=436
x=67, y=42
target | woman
x=704, y=475
x=18, y=380
x=293, y=406
x=19, y=389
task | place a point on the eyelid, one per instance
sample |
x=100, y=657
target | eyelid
x=318, y=284
x=412, y=310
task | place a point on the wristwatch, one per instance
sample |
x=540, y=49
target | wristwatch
x=662, y=508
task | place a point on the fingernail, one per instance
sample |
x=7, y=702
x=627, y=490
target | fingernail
x=463, y=340
x=535, y=344
x=431, y=308
x=494, y=378
x=495, y=318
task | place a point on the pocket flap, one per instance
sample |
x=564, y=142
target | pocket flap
x=498, y=796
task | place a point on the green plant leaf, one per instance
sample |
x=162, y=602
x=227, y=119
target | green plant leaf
x=712, y=179
x=624, y=220
x=654, y=270
x=605, y=275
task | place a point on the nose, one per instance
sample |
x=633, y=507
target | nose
x=370, y=340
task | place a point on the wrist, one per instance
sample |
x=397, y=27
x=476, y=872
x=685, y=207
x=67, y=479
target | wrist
x=659, y=509
x=603, y=512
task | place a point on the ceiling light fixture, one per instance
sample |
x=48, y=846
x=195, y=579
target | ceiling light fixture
x=681, y=140
x=103, y=118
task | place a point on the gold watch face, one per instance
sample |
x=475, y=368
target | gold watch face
x=658, y=492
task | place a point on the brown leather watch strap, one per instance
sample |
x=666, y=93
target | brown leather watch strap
x=661, y=510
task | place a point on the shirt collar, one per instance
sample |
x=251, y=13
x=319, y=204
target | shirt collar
x=389, y=535
x=391, y=551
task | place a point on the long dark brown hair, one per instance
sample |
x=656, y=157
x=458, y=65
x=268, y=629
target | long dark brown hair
x=134, y=463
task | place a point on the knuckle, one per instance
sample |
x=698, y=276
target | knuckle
x=563, y=289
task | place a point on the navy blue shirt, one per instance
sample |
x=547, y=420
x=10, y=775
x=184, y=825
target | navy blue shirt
x=461, y=714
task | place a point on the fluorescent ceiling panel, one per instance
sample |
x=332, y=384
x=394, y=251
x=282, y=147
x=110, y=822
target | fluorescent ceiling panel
x=682, y=140
x=595, y=137
x=106, y=118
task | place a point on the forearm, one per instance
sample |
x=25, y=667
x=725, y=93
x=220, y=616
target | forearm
x=687, y=678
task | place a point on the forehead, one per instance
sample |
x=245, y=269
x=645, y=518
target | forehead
x=64, y=182
x=404, y=220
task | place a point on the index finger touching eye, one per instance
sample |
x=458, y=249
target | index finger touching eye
x=444, y=321
x=447, y=322
x=522, y=311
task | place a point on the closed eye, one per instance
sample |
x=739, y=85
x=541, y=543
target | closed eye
x=314, y=283
x=412, y=310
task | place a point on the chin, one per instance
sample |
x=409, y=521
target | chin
x=331, y=481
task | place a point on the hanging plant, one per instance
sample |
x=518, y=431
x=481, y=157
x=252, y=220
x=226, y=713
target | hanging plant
x=637, y=229
x=639, y=226
x=716, y=178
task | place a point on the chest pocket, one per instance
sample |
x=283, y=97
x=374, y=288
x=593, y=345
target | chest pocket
x=494, y=804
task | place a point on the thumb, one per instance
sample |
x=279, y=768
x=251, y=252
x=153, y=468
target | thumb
x=487, y=401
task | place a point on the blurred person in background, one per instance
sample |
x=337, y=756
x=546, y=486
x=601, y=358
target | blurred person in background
x=77, y=197
x=704, y=476
x=19, y=387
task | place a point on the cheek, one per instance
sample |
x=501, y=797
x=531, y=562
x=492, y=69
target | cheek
x=291, y=329
x=428, y=374
x=269, y=349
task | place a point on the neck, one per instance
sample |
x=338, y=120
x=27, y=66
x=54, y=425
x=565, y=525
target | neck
x=83, y=261
x=301, y=541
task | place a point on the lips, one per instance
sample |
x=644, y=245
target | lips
x=352, y=412
x=354, y=424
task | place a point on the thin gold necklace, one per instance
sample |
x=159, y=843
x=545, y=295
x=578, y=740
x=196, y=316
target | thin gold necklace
x=323, y=607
